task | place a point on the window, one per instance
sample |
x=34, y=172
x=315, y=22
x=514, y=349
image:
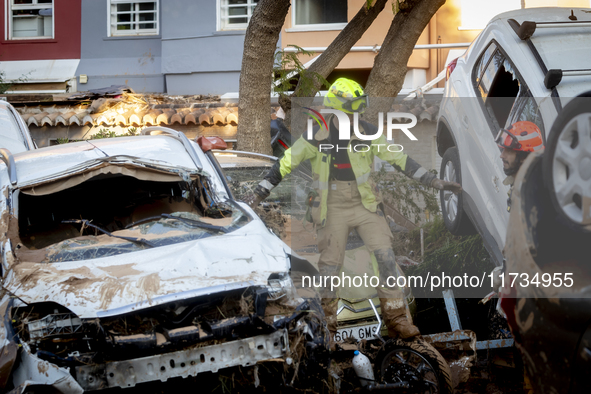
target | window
x=30, y=19
x=504, y=95
x=235, y=14
x=482, y=63
x=319, y=12
x=8, y=127
x=133, y=18
x=526, y=108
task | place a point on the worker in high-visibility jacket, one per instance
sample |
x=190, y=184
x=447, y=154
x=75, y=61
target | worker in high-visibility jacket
x=347, y=198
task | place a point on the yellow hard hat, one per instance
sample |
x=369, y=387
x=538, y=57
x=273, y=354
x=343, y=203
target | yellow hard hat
x=346, y=95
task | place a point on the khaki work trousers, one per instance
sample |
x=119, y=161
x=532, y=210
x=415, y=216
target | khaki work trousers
x=345, y=212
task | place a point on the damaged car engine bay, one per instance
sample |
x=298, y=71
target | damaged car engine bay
x=95, y=350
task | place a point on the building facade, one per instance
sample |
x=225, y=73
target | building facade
x=40, y=43
x=185, y=47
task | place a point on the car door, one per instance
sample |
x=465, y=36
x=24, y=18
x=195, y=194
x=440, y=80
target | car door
x=502, y=98
x=479, y=155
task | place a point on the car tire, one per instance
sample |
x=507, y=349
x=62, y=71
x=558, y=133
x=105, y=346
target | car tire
x=452, y=205
x=567, y=164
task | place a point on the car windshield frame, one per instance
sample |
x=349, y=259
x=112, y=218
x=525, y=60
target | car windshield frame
x=170, y=229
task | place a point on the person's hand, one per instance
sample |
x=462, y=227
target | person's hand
x=255, y=198
x=252, y=200
x=440, y=184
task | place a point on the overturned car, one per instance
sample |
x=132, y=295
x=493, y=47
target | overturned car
x=127, y=261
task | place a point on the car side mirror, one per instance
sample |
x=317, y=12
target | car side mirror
x=209, y=143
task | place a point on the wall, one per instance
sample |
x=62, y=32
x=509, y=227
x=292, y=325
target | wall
x=65, y=44
x=449, y=28
x=445, y=28
x=132, y=61
x=198, y=59
x=373, y=36
x=44, y=135
x=557, y=3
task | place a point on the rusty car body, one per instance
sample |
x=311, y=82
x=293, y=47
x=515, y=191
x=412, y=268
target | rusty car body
x=547, y=282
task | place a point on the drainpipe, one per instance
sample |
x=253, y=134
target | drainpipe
x=433, y=52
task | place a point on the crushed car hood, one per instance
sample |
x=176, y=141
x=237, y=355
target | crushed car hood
x=133, y=281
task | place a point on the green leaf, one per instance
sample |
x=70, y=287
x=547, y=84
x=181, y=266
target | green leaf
x=5, y=85
x=405, y=192
x=288, y=70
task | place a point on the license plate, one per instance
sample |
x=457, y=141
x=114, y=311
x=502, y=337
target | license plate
x=358, y=333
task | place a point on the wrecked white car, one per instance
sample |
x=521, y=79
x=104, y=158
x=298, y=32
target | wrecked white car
x=127, y=260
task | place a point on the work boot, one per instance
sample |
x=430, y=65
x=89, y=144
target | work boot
x=394, y=316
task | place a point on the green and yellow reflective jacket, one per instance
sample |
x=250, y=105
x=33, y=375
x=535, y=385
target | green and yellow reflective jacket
x=361, y=155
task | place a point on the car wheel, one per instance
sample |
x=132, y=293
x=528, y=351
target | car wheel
x=415, y=363
x=567, y=164
x=452, y=205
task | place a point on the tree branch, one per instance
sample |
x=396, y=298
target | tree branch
x=333, y=55
x=387, y=75
x=389, y=70
x=342, y=44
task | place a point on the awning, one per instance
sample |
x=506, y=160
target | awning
x=40, y=71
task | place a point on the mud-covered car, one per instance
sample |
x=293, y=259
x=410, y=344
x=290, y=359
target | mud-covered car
x=127, y=261
x=547, y=278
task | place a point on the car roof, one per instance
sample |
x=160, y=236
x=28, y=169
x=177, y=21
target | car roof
x=544, y=14
x=45, y=162
x=566, y=46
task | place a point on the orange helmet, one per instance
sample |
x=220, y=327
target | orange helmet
x=521, y=136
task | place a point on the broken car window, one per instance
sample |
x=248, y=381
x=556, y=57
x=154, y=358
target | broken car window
x=499, y=87
x=120, y=210
x=525, y=108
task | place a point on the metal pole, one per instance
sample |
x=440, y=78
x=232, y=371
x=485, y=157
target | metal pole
x=376, y=48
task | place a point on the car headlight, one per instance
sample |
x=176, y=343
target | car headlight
x=279, y=286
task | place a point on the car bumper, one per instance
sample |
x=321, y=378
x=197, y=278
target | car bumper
x=190, y=362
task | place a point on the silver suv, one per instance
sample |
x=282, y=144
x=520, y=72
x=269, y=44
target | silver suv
x=525, y=65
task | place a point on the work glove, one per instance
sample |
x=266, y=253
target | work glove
x=255, y=198
x=440, y=184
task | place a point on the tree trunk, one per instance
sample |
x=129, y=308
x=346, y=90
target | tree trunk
x=389, y=70
x=256, y=75
x=333, y=55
